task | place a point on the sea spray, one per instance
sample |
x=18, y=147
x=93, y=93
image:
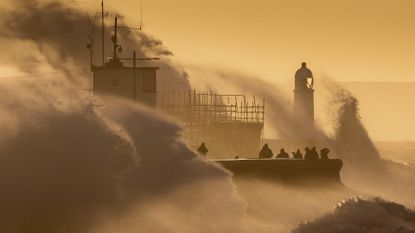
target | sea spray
x=351, y=139
x=359, y=215
x=51, y=35
x=363, y=170
x=73, y=163
x=79, y=162
x=109, y=176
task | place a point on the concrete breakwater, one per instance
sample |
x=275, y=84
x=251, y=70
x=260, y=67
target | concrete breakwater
x=289, y=171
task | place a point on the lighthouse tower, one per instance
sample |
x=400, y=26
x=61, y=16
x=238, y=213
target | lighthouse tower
x=304, y=102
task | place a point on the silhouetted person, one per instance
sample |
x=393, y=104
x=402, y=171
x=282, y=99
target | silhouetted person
x=324, y=153
x=311, y=153
x=314, y=153
x=202, y=149
x=297, y=154
x=265, y=152
x=307, y=154
x=301, y=77
x=283, y=154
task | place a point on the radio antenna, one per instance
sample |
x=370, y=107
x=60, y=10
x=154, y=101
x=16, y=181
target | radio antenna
x=103, y=33
x=141, y=15
x=115, y=38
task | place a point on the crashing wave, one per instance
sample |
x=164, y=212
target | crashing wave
x=363, y=216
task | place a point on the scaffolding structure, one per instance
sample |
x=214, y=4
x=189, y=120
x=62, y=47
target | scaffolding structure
x=229, y=123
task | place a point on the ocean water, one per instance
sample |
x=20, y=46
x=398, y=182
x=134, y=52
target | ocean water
x=71, y=162
x=358, y=215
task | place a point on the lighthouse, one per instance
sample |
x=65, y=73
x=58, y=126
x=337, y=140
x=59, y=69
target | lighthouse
x=304, y=102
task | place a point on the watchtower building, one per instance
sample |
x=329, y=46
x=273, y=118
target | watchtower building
x=304, y=101
x=124, y=78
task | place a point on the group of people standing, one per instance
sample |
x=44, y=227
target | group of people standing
x=266, y=153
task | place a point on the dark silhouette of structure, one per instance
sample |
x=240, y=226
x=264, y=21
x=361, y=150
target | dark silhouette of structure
x=301, y=78
x=123, y=76
x=304, y=101
x=231, y=124
x=202, y=149
x=265, y=152
x=283, y=154
x=297, y=154
x=324, y=153
x=301, y=172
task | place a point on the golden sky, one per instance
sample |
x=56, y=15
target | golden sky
x=346, y=40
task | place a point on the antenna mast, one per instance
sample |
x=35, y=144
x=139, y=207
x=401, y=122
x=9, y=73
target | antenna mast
x=103, y=33
x=115, y=37
x=141, y=15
